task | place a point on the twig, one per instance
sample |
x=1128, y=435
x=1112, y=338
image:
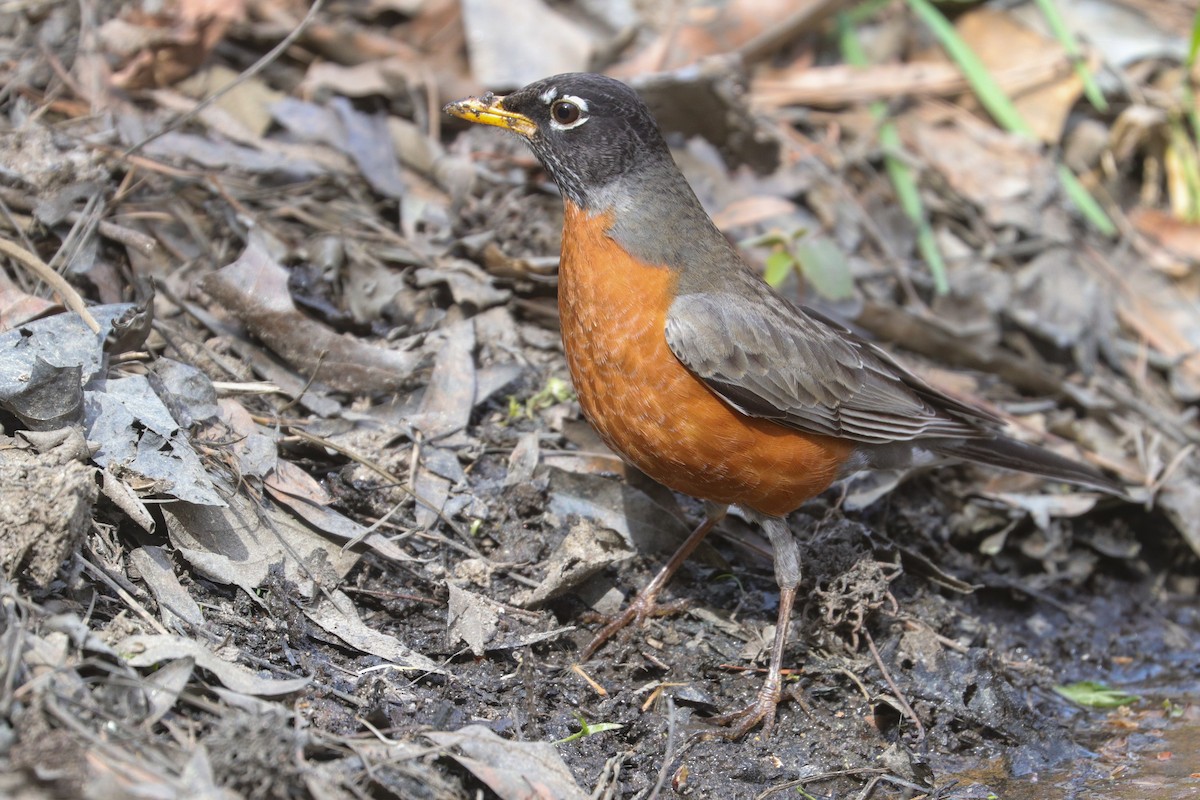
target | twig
x=609, y=780
x=857, y=682
x=869, y=789
x=668, y=753
x=820, y=776
x=353, y=455
x=134, y=606
x=376, y=525
x=251, y=71
x=887, y=676
x=56, y=282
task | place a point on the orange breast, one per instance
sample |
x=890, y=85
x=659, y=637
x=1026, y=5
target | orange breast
x=649, y=408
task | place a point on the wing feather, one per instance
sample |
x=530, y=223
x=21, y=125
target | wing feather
x=770, y=359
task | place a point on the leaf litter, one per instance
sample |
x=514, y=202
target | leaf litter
x=302, y=519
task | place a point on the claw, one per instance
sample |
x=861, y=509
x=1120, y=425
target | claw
x=761, y=711
x=645, y=605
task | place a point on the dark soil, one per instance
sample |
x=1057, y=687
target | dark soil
x=414, y=533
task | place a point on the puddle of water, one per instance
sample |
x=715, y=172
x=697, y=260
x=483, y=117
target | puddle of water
x=1145, y=756
x=1168, y=771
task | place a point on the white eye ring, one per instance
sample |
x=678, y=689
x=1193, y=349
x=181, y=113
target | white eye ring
x=567, y=99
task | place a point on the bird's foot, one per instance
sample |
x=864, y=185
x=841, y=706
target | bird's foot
x=646, y=603
x=644, y=606
x=760, y=712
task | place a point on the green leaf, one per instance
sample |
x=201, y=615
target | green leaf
x=825, y=267
x=587, y=729
x=779, y=264
x=1095, y=695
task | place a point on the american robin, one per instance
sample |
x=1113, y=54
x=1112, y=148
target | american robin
x=695, y=371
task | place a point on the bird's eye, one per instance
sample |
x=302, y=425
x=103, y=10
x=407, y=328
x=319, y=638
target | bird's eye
x=565, y=112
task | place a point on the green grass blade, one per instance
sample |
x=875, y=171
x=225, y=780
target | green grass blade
x=863, y=11
x=1194, y=48
x=1058, y=27
x=985, y=87
x=1188, y=167
x=852, y=51
x=902, y=176
x=1083, y=200
x=927, y=246
x=904, y=182
x=1002, y=109
x=1189, y=89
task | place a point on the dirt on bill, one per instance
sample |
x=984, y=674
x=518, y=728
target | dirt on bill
x=297, y=499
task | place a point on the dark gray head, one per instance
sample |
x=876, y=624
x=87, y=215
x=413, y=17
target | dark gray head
x=588, y=131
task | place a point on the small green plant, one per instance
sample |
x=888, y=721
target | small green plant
x=821, y=263
x=1173, y=710
x=556, y=390
x=587, y=729
x=1094, y=694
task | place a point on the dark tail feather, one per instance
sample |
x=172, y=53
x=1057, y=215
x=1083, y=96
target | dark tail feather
x=1011, y=454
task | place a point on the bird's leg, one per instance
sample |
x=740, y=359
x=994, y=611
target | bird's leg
x=787, y=575
x=645, y=604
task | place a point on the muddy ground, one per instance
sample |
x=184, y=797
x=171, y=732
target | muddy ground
x=312, y=511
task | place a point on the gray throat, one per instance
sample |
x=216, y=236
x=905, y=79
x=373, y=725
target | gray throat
x=659, y=220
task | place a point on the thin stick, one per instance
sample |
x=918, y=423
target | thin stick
x=251, y=71
x=56, y=282
x=668, y=753
x=887, y=676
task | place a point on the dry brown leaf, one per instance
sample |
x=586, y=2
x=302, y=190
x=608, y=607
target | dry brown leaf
x=148, y=651
x=17, y=307
x=335, y=613
x=386, y=77
x=1000, y=41
x=248, y=102
x=254, y=289
x=158, y=573
x=1004, y=175
x=585, y=551
x=692, y=31
x=238, y=545
x=433, y=490
x=840, y=85
x=446, y=407
x=1178, y=242
x=752, y=211
x=1167, y=315
x=560, y=44
x=165, y=47
x=513, y=770
x=471, y=618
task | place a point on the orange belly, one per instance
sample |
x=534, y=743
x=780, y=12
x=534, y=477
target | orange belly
x=649, y=408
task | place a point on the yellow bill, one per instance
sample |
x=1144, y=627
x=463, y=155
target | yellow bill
x=487, y=110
